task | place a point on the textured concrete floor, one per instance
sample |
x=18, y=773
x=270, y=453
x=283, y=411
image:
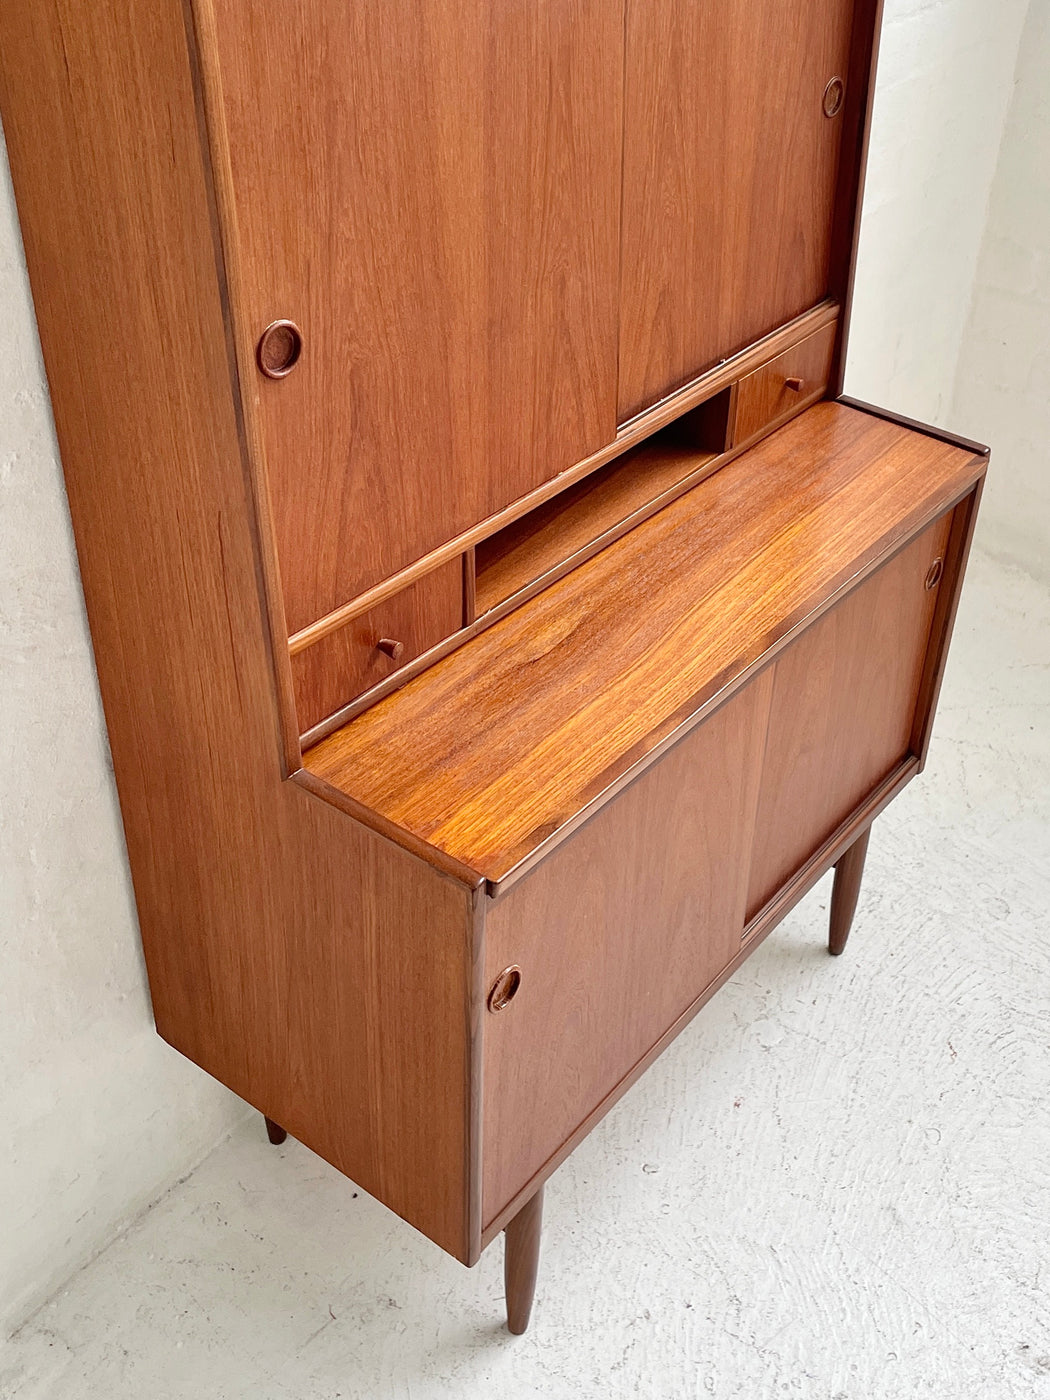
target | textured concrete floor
x=835, y=1185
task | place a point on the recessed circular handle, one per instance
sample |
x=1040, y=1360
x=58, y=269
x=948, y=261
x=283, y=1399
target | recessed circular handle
x=795, y=384
x=395, y=650
x=279, y=349
x=505, y=988
x=834, y=94
x=933, y=574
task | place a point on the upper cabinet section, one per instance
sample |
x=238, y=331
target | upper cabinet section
x=733, y=129
x=430, y=191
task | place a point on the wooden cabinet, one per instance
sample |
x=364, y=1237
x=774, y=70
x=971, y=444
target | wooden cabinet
x=501, y=616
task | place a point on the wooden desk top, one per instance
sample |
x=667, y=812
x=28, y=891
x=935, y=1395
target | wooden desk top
x=497, y=752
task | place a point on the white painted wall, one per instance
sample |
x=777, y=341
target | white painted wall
x=97, y=1115
x=946, y=71
x=1002, y=390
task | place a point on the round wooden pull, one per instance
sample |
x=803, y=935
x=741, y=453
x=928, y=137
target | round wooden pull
x=933, y=574
x=833, y=97
x=279, y=349
x=395, y=650
x=505, y=988
x=795, y=385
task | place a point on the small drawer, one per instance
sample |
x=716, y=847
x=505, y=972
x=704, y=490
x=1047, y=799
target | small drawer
x=372, y=647
x=777, y=390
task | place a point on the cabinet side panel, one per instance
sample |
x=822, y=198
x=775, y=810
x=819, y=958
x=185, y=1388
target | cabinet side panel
x=616, y=934
x=316, y=970
x=430, y=189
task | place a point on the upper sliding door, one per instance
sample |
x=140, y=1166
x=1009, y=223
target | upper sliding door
x=730, y=166
x=430, y=190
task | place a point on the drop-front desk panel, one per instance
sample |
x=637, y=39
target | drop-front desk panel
x=646, y=764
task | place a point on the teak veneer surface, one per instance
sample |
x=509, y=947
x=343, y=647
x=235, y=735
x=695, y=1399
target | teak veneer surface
x=431, y=190
x=731, y=171
x=506, y=742
x=589, y=928
x=342, y=665
x=552, y=534
x=843, y=711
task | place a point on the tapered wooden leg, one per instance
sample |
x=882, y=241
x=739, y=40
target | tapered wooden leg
x=521, y=1262
x=275, y=1132
x=848, y=873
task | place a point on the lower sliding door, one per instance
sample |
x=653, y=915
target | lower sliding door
x=615, y=935
x=843, y=710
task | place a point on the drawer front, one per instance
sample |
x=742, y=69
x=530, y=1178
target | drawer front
x=374, y=646
x=616, y=934
x=784, y=385
x=843, y=710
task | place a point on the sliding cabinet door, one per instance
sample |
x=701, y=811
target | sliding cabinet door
x=430, y=190
x=730, y=172
x=616, y=935
x=843, y=710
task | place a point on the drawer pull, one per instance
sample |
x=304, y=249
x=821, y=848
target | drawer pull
x=833, y=95
x=795, y=385
x=395, y=650
x=505, y=988
x=933, y=574
x=279, y=348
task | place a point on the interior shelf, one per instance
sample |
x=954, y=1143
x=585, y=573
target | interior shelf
x=602, y=505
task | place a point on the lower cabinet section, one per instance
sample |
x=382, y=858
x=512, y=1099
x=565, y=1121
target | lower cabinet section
x=620, y=931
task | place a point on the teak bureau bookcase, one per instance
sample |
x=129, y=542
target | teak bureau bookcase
x=501, y=617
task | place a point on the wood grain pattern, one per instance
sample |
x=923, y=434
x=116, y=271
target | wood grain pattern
x=765, y=398
x=552, y=535
x=317, y=969
x=796, y=889
x=604, y=504
x=615, y=937
x=730, y=173
x=629, y=435
x=520, y=731
x=430, y=189
x=844, y=704
x=331, y=673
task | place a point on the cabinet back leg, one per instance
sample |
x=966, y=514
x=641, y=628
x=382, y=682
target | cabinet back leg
x=849, y=871
x=521, y=1262
x=275, y=1132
